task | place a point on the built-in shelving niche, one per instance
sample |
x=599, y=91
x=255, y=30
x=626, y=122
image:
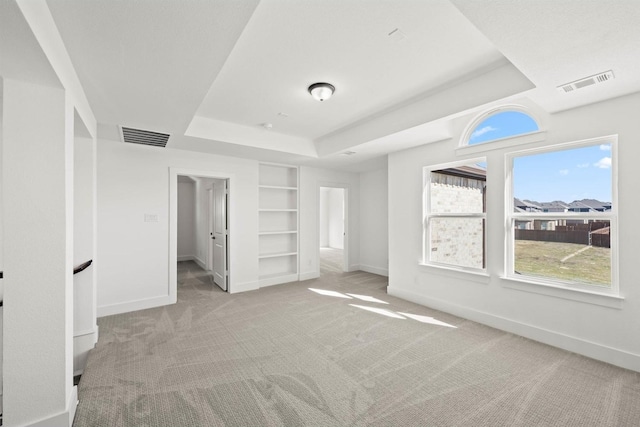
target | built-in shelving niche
x=278, y=224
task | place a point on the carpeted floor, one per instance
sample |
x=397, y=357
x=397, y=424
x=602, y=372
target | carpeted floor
x=343, y=354
x=331, y=260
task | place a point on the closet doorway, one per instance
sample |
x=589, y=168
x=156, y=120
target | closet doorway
x=333, y=230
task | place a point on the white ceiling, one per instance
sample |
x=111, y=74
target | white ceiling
x=211, y=72
x=21, y=57
x=288, y=45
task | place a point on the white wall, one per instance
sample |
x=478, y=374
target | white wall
x=85, y=330
x=311, y=179
x=336, y=218
x=134, y=254
x=37, y=168
x=186, y=220
x=374, y=222
x=602, y=332
x=323, y=213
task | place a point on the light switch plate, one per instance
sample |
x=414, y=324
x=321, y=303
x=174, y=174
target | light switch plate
x=150, y=217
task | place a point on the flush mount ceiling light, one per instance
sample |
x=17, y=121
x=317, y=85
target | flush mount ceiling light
x=321, y=91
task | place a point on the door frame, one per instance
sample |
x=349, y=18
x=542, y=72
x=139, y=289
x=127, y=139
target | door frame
x=345, y=252
x=172, y=286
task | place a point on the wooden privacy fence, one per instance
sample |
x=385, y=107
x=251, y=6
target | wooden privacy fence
x=581, y=237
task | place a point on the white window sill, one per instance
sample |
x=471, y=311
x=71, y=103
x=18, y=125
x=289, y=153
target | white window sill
x=498, y=144
x=558, y=291
x=479, y=276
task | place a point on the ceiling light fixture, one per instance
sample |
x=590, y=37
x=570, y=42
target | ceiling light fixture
x=321, y=91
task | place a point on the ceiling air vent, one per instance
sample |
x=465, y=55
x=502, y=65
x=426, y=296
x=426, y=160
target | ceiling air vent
x=144, y=137
x=587, y=81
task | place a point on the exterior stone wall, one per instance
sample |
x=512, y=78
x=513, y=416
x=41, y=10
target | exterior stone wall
x=456, y=241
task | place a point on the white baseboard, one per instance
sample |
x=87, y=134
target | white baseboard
x=375, y=270
x=590, y=349
x=243, y=287
x=309, y=275
x=62, y=419
x=200, y=263
x=353, y=267
x=186, y=257
x=83, y=343
x=278, y=280
x=142, y=304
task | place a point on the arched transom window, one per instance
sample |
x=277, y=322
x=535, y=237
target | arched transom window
x=502, y=124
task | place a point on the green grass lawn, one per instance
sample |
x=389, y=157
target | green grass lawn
x=543, y=259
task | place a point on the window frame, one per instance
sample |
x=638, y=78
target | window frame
x=471, y=127
x=611, y=216
x=427, y=215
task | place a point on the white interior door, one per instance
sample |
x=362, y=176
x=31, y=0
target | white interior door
x=210, y=216
x=219, y=237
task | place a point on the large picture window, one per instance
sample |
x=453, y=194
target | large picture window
x=455, y=215
x=561, y=215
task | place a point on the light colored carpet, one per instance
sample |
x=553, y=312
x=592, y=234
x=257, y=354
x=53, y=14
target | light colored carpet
x=289, y=356
x=331, y=260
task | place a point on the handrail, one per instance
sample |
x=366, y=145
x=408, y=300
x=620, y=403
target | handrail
x=82, y=267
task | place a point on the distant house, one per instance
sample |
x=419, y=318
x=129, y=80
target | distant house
x=555, y=206
x=526, y=206
x=589, y=205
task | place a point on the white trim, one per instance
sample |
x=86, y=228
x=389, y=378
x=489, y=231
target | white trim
x=596, y=351
x=173, y=223
x=475, y=275
x=278, y=280
x=200, y=263
x=141, y=304
x=83, y=343
x=87, y=332
x=309, y=275
x=186, y=258
x=244, y=287
x=375, y=270
x=61, y=419
x=529, y=284
x=499, y=144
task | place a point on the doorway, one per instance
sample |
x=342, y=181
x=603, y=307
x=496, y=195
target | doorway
x=332, y=226
x=200, y=230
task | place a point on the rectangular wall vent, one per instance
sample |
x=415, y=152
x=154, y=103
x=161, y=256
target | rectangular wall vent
x=144, y=137
x=587, y=81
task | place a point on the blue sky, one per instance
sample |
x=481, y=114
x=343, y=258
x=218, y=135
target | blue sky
x=507, y=123
x=568, y=175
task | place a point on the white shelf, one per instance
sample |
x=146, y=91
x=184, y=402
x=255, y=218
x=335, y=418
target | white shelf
x=277, y=187
x=278, y=205
x=271, y=233
x=275, y=255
